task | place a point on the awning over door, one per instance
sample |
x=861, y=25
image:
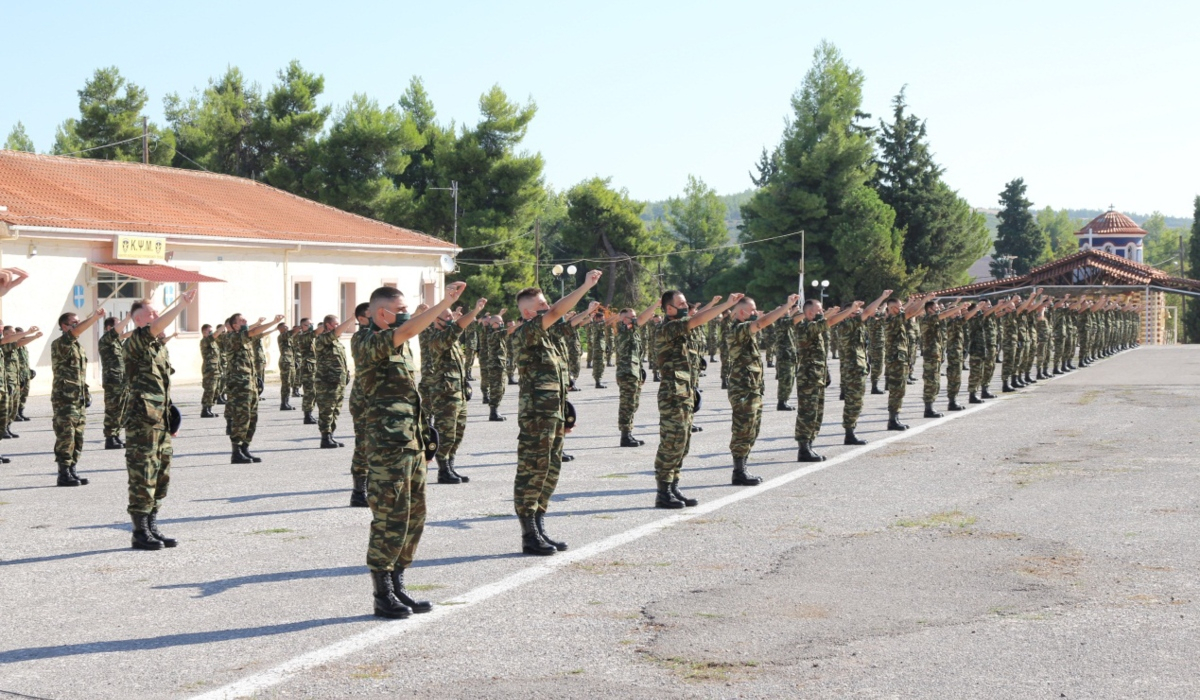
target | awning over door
x=155, y=273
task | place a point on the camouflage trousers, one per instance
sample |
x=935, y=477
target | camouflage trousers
x=975, y=374
x=358, y=461
x=241, y=412
x=1043, y=354
x=675, y=433
x=954, y=370
x=450, y=418
x=308, y=383
x=989, y=368
x=931, y=375
x=396, y=496
x=469, y=360
x=631, y=395
x=330, y=394
x=875, y=357
x=494, y=382
x=854, y=385
x=287, y=379
x=573, y=360
x=1010, y=362
x=24, y=397
x=115, y=398
x=211, y=383
x=148, y=463
x=810, y=403
x=897, y=383
x=539, y=461
x=13, y=392
x=598, y=367
x=6, y=402
x=785, y=373
x=747, y=407
x=512, y=365
x=68, y=434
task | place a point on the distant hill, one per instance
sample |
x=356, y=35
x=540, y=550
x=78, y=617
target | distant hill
x=733, y=210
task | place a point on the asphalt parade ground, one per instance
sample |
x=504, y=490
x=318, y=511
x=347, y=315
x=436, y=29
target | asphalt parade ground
x=1039, y=546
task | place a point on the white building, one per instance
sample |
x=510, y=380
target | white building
x=99, y=233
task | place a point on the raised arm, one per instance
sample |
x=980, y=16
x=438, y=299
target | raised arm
x=413, y=327
x=263, y=327
x=465, y=320
x=562, y=306
x=775, y=315
x=10, y=277
x=30, y=335
x=871, y=308
x=160, y=324
x=87, y=323
x=644, y=317
x=840, y=315
x=710, y=311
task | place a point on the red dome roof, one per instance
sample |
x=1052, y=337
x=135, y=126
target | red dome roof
x=1112, y=223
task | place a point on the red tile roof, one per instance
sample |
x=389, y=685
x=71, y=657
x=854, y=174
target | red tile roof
x=155, y=273
x=1112, y=223
x=81, y=193
x=1116, y=269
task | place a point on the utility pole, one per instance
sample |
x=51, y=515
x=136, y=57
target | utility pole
x=537, y=252
x=453, y=190
x=145, y=140
x=801, y=266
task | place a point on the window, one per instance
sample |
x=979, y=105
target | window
x=348, y=301
x=110, y=285
x=428, y=292
x=1131, y=252
x=301, y=301
x=1108, y=247
x=189, y=318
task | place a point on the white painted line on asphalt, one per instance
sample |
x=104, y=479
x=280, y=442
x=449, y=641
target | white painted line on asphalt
x=390, y=630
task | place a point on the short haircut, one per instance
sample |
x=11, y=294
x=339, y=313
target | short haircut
x=810, y=302
x=206, y=327
x=330, y=318
x=893, y=300
x=137, y=306
x=361, y=310
x=302, y=321
x=65, y=317
x=627, y=310
x=379, y=295
x=109, y=323
x=743, y=300
x=930, y=305
x=668, y=298
x=232, y=319
x=528, y=293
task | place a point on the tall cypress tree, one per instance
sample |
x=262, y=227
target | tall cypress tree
x=1018, y=234
x=1191, y=317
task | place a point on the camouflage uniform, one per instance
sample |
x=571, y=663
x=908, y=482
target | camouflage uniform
x=210, y=370
x=541, y=411
x=931, y=354
x=723, y=346
x=746, y=386
x=853, y=368
x=574, y=350
x=768, y=344
x=12, y=384
x=596, y=340
x=675, y=398
x=306, y=355
x=25, y=377
x=629, y=374
x=260, y=363
x=68, y=397
x=785, y=357
x=332, y=376
x=112, y=363
x=358, y=406
x=711, y=336
x=876, y=330
x=447, y=396
x=991, y=330
x=148, y=443
x=395, y=450
x=956, y=331
x=1009, y=343
x=226, y=355
x=470, y=347
x=241, y=410
x=610, y=344
x=494, y=373
x=512, y=359
x=1045, y=332
x=811, y=369
x=287, y=365
x=896, y=340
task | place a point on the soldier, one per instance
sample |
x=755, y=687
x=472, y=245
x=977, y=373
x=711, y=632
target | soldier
x=16, y=375
x=448, y=393
x=676, y=392
x=112, y=363
x=785, y=361
x=630, y=373
x=287, y=365
x=470, y=343
x=574, y=348
x=876, y=334
x=9, y=385
x=712, y=338
x=896, y=339
x=956, y=345
x=649, y=342
x=210, y=368
x=396, y=445
x=746, y=383
x=26, y=373
x=768, y=345
x=494, y=373
x=69, y=396
x=147, y=426
x=358, y=407
x=812, y=372
x=931, y=351
x=480, y=327
x=307, y=359
x=855, y=365
x=241, y=410
x=597, y=336
x=542, y=412
x=723, y=347
x=332, y=376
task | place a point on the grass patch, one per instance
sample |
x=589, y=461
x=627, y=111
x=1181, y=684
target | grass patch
x=955, y=519
x=705, y=670
x=272, y=531
x=1033, y=473
x=613, y=476
x=1087, y=397
x=373, y=672
x=425, y=586
x=709, y=616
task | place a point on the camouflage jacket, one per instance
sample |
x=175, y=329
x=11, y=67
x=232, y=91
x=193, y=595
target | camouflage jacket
x=12, y=365
x=287, y=348
x=931, y=338
x=785, y=341
x=629, y=351
x=745, y=365
x=241, y=368
x=956, y=331
x=855, y=341
x=305, y=348
x=355, y=341
x=24, y=369
x=112, y=359
x=896, y=337
x=391, y=399
x=210, y=353
x=69, y=365
x=543, y=387
x=497, y=355
x=673, y=353
x=148, y=372
x=446, y=364
x=811, y=352
x=331, y=359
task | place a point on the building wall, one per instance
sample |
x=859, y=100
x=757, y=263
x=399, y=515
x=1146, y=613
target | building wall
x=258, y=283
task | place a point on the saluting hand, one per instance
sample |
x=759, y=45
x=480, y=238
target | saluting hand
x=480, y=304
x=188, y=297
x=454, y=290
x=593, y=276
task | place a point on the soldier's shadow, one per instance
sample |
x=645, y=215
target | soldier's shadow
x=124, y=525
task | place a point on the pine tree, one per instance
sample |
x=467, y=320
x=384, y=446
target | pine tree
x=18, y=140
x=110, y=123
x=1191, y=325
x=696, y=222
x=1018, y=234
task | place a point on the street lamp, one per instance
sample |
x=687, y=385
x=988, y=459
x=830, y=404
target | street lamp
x=821, y=286
x=557, y=270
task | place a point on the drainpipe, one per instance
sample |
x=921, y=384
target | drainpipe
x=287, y=288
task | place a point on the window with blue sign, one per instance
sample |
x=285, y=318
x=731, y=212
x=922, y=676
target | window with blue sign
x=110, y=285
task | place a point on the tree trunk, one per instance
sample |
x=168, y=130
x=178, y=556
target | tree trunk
x=612, y=269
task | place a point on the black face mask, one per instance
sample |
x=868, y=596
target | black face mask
x=542, y=312
x=401, y=319
x=752, y=317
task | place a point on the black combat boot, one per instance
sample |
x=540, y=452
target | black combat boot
x=221, y=400
x=531, y=539
x=806, y=454
x=417, y=606
x=152, y=526
x=470, y=375
x=1005, y=387
x=285, y=406
x=567, y=458
x=4, y=460
x=327, y=441
x=539, y=521
x=21, y=414
x=495, y=416
x=450, y=466
x=237, y=457
x=842, y=395
x=656, y=377
x=741, y=477
x=572, y=386
x=929, y=412
x=308, y=418
x=697, y=428
x=875, y=387
x=295, y=392
x=783, y=406
x=143, y=538
x=246, y=453
x=689, y=502
x=974, y=399
x=1029, y=380
x=665, y=498
x=7, y=434
x=954, y=405
x=724, y=383
x=894, y=422
x=512, y=381
x=770, y=364
x=445, y=476
x=75, y=475
x=207, y=413
x=627, y=440
x=852, y=439
x=486, y=400
x=64, y=476
x=986, y=394
x=601, y=385
x=1058, y=369
x=386, y=603
x=112, y=442
x=358, y=496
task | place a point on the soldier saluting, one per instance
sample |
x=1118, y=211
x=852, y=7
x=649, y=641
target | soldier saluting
x=69, y=396
x=241, y=409
x=448, y=392
x=630, y=374
x=332, y=376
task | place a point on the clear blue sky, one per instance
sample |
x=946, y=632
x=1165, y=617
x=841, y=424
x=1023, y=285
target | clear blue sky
x=1092, y=103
